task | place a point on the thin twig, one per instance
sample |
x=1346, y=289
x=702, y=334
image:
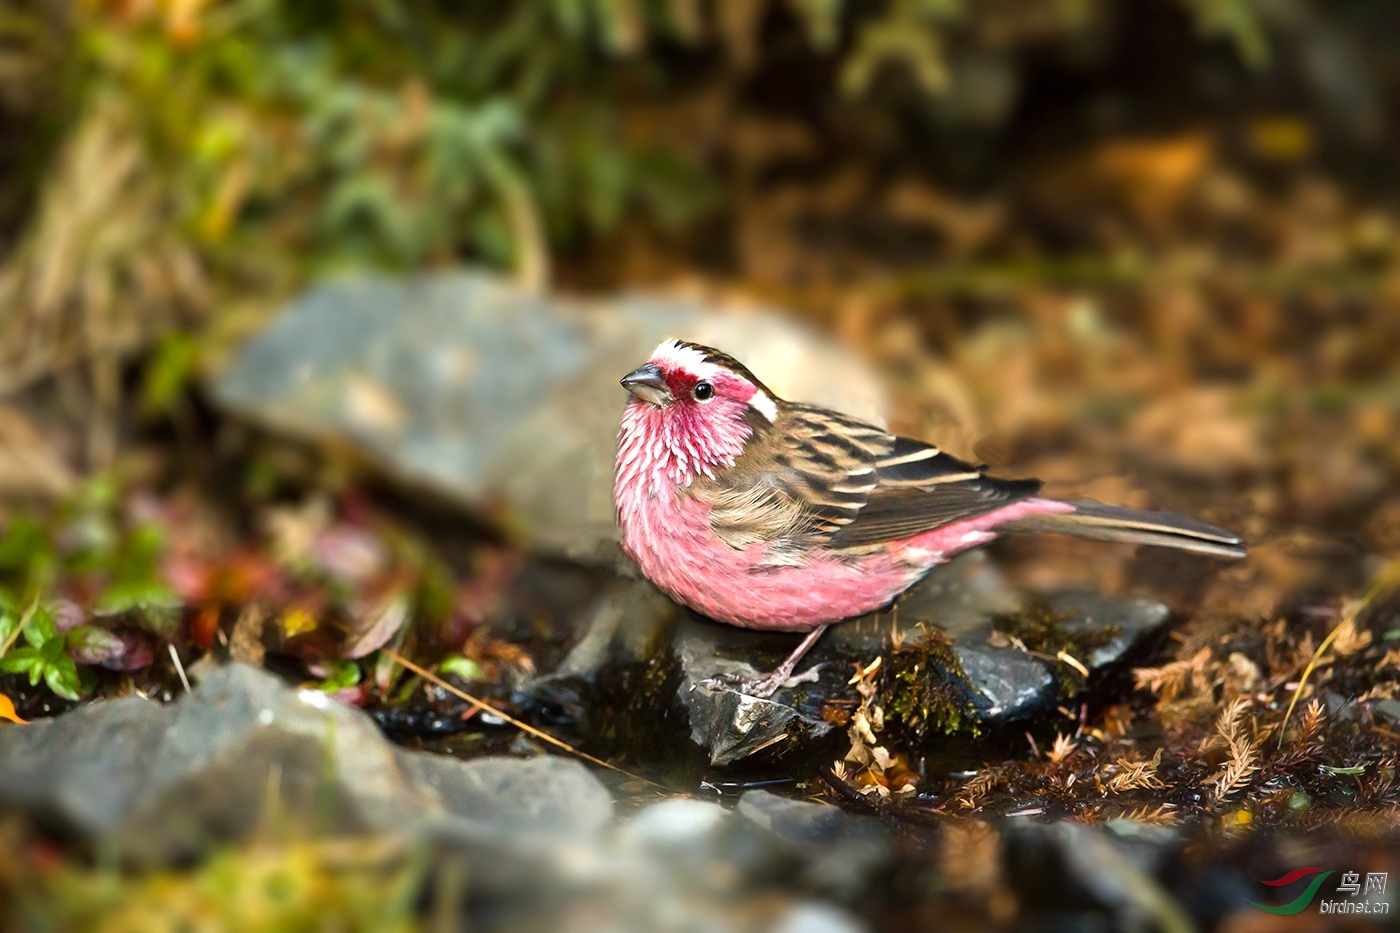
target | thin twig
x=522, y=726
x=179, y=668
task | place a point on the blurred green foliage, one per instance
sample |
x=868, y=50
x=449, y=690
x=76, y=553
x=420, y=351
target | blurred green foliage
x=313, y=135
x=392, y=134
x=93, y=547
x=350, y=885
x=214, y=155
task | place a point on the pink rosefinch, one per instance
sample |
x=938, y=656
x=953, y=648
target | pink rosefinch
x=780, y=516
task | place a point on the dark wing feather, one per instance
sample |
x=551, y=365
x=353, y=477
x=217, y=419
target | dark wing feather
x=819, y=478
x=921, y=488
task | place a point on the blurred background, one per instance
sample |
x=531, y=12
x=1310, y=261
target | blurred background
x=1148, y=250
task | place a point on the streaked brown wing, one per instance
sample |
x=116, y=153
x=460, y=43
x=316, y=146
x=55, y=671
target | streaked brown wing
x=819, y=478
x=798, y=481
x=921, y=488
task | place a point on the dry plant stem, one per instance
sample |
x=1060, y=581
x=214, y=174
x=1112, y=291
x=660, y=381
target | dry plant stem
x=478, y=704
x=1388, y=577
x=179, y=667
x=19, y=628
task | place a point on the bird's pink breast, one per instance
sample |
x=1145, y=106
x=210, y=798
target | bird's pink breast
x=669, y=537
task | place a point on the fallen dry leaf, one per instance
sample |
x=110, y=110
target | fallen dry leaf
x=7, y=711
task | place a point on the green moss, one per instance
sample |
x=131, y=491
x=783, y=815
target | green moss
x=923, y=688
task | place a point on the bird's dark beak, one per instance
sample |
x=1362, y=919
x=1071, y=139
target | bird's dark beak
x=647, y=384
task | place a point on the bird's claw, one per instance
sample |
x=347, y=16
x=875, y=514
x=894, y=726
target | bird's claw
x=764, y=687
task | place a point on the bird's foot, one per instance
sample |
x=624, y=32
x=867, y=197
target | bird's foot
x=764, y=687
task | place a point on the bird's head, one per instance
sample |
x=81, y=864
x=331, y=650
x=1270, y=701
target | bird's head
x=699, y=405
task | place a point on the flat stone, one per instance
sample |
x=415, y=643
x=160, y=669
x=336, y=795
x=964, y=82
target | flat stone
x=677, y=824
x=545, y=799
x=1012, y=683
x=1128, y=619
x=807, y=917
x=86, y=767
x=975, y=677
x=465, y=385
x=154, y=783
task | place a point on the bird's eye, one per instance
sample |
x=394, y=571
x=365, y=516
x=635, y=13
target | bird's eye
x=703, y=391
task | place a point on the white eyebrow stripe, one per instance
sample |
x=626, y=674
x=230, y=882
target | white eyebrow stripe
x=671, y=353
x=915, y=457
x=763, y=403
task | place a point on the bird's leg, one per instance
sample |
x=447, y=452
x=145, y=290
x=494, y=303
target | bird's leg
x=767, y=686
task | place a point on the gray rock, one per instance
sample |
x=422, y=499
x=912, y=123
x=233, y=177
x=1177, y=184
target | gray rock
x=1128, y=619
x=841, y=851
x=804, y=822
x=1009, y=684
x=85, y=767
x=542, y=800
x=626, y=623
x=1087, y=870
x=688, y=865
x=806, y=917
x=481, y=391
x=1388, y=710
x=674, y=825
x=981, y=679
x=963, y=596
x=726, y=723
x=159, y=782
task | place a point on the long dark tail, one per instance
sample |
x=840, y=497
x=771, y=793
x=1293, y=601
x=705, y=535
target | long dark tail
x=1115, y=523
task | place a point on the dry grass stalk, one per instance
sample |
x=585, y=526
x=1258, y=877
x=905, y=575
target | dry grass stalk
x=522, y=726
x=977, y=787
x=1064, y=746
x=102, y=269
x=1243, y=763
x=1135, y=775
x=1386, y=578
x=1161, y=815
x=1171, y=680
x=1310, y=726
x=1350, y=637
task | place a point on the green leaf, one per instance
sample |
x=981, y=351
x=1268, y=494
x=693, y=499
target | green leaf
x=346, y=674
x=171, y=369
x=465, y=668
x=1351, y=771
x=21, y=660
x=140, y=594
x=62, y=677
x=22, y=541
x=53, y=649
x=40, y=630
